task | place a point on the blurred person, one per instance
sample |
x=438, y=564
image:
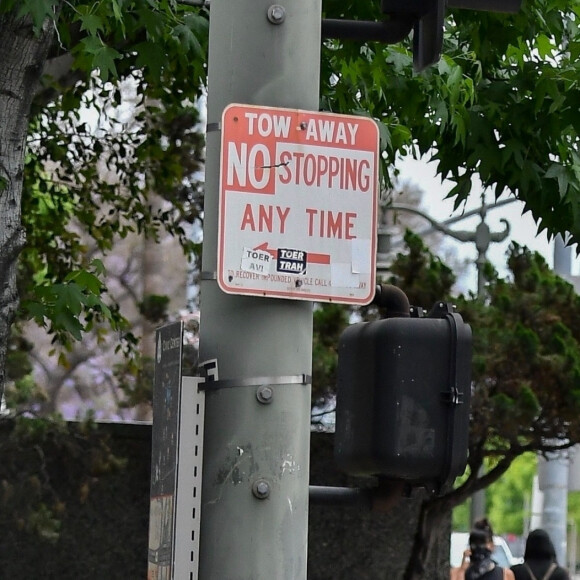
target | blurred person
x=477, y=563
x=540, y=560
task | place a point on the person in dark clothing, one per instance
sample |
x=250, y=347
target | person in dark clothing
x=477, y=560
x=539, y=560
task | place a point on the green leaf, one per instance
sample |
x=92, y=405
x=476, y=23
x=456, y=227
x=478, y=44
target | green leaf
x=69, y=298
x=559, y=172
x=544, y=46
x=104, y=60
x=454, y=81
x=149, y=56
x=401, y=136
x=92, y=23
x=445, y=64
x=39, y=10
x=98, y=267
x=187, y=39
x=118, y=16
x=65, y=320
x=384, y=136
x=400, y=58
x=35, y=310
x=91, y=45
x=461, y=189
x=86, y=281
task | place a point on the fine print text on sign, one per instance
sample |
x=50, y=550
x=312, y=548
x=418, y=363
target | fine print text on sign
x=298, y=203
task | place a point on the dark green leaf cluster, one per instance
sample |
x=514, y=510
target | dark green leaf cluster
x=500, y=105
x=423, y=276
x=526, y=366
x=73, y=306
x=329, y=322
x=109, y=155
x=166, y=40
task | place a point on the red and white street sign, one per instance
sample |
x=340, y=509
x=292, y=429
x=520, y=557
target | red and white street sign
x=298, y=204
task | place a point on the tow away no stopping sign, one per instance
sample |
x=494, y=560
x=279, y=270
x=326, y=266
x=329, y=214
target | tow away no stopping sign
x=298, y=204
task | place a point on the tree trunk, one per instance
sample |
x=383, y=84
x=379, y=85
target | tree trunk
x=23, y=54
x=433, y=518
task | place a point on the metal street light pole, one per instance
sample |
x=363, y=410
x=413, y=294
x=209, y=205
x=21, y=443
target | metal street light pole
x=257, y=423
x=482, y=236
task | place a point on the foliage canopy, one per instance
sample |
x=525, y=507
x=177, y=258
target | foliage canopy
x=500, y=105
x=113, y=127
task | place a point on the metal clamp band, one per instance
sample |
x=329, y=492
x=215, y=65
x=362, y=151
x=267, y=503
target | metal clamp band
x=213, y=127
x=256, y=382
x=208, y=275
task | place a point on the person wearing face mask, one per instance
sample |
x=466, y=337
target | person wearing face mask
x=478, y=563
x=540, y=560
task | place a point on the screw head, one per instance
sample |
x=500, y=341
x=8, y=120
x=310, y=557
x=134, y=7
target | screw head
x=264, y=394
x=276, y=14
x=261, y=489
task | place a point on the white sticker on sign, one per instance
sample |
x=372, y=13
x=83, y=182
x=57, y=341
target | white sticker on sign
x=360, y=251
x=257, y=261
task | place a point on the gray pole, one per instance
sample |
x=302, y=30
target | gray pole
x=553, y=481
x=562, y=257
x=553, y=477
x=257, y=430
x=482, y=241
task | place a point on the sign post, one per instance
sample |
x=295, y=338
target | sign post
x=176, y=463
x=298, y=204
x=257, y=345
x=164, y=443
